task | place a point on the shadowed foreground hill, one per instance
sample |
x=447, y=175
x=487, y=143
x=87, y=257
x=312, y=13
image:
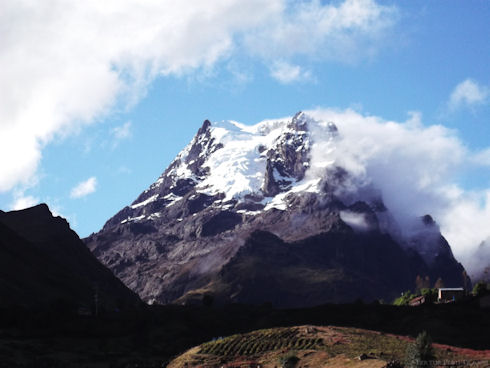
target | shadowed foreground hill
x=44, y=263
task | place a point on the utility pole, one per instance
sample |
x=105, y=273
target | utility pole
x=96, y=299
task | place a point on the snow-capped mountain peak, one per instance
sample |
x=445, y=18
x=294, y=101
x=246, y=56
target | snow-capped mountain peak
x=280, y=177
x=237, y=162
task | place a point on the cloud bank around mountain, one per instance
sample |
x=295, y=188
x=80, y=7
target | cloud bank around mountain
x=65, y=65
x=417, y=168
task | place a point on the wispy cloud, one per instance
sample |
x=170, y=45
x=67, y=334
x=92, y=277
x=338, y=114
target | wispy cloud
x=84, y=188
x=121, y=133
x=124, y=170
x=468, y=94
x=288, y=73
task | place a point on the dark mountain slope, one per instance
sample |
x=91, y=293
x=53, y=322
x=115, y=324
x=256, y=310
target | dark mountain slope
x=337, y=266
x=43, y=262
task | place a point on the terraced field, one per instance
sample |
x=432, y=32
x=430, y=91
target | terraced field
x=259, y=343
x=313, y=346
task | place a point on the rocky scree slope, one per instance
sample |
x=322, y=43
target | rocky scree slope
x=243, y=214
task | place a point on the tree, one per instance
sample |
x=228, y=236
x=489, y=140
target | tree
x=439, y=283
x=419, y=283
x=420, y=352
x=480, y=288
x=422, y=283
x=466, y=281
x=486, y=274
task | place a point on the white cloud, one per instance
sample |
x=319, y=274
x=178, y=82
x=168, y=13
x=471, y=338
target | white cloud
x=416, y=167
x=468, y=94
x=22, y=201
x=64, y=65
x=465, y=225
x=288, y=73
x=84, y=188
x=346, y=32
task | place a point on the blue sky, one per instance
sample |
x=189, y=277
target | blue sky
x=98, y=99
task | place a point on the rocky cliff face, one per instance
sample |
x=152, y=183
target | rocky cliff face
x=43, y=263
x=242, y=215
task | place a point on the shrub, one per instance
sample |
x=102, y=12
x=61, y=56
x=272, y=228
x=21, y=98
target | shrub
x=420, y=352
x=289, y=361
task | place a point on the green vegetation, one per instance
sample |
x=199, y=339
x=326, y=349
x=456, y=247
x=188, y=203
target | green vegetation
x=405, y=298
x=420, y=353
